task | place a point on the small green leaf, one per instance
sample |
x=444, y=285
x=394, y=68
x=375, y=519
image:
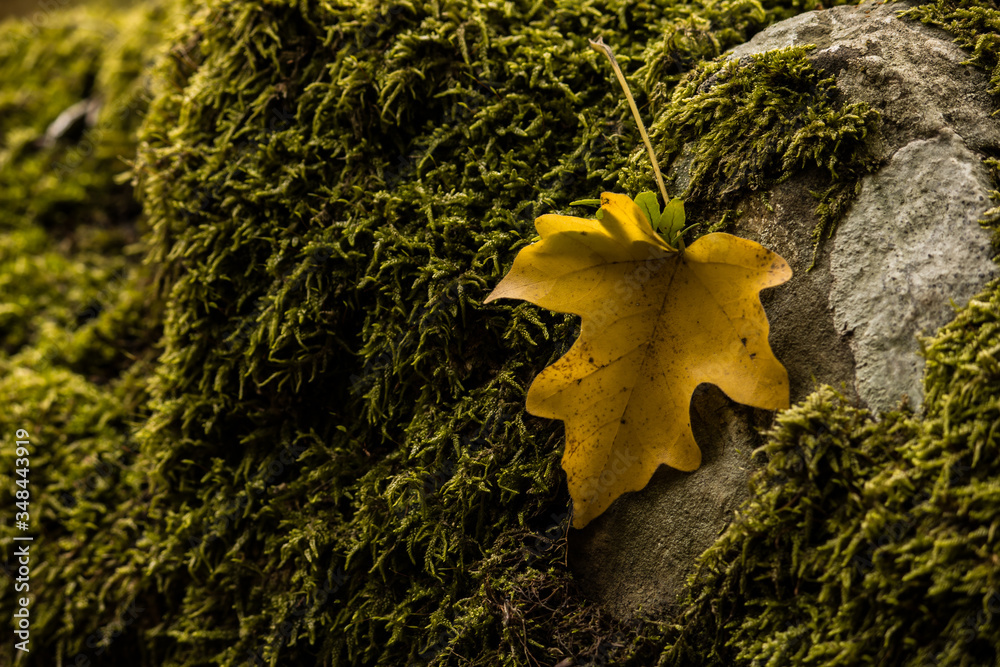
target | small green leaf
x=673, y=221
x=650, y=206
x=586, y=202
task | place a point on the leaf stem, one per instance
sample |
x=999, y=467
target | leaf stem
x=601, y=47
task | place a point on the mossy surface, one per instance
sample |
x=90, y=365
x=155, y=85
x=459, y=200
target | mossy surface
x=294, y=435
x=77, y=326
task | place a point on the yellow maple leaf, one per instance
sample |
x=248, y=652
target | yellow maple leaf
x=656, y=323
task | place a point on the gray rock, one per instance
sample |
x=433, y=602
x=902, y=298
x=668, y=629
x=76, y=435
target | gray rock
x=909, y=247
x=913, y=74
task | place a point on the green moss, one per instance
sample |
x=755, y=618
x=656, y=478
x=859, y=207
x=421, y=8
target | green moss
x=338, y=312
x=68, y=229
x=77, y=327
x=58, y=178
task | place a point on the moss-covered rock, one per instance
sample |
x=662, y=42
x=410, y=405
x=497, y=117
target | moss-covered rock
x=328, y=461
x=868, y=541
